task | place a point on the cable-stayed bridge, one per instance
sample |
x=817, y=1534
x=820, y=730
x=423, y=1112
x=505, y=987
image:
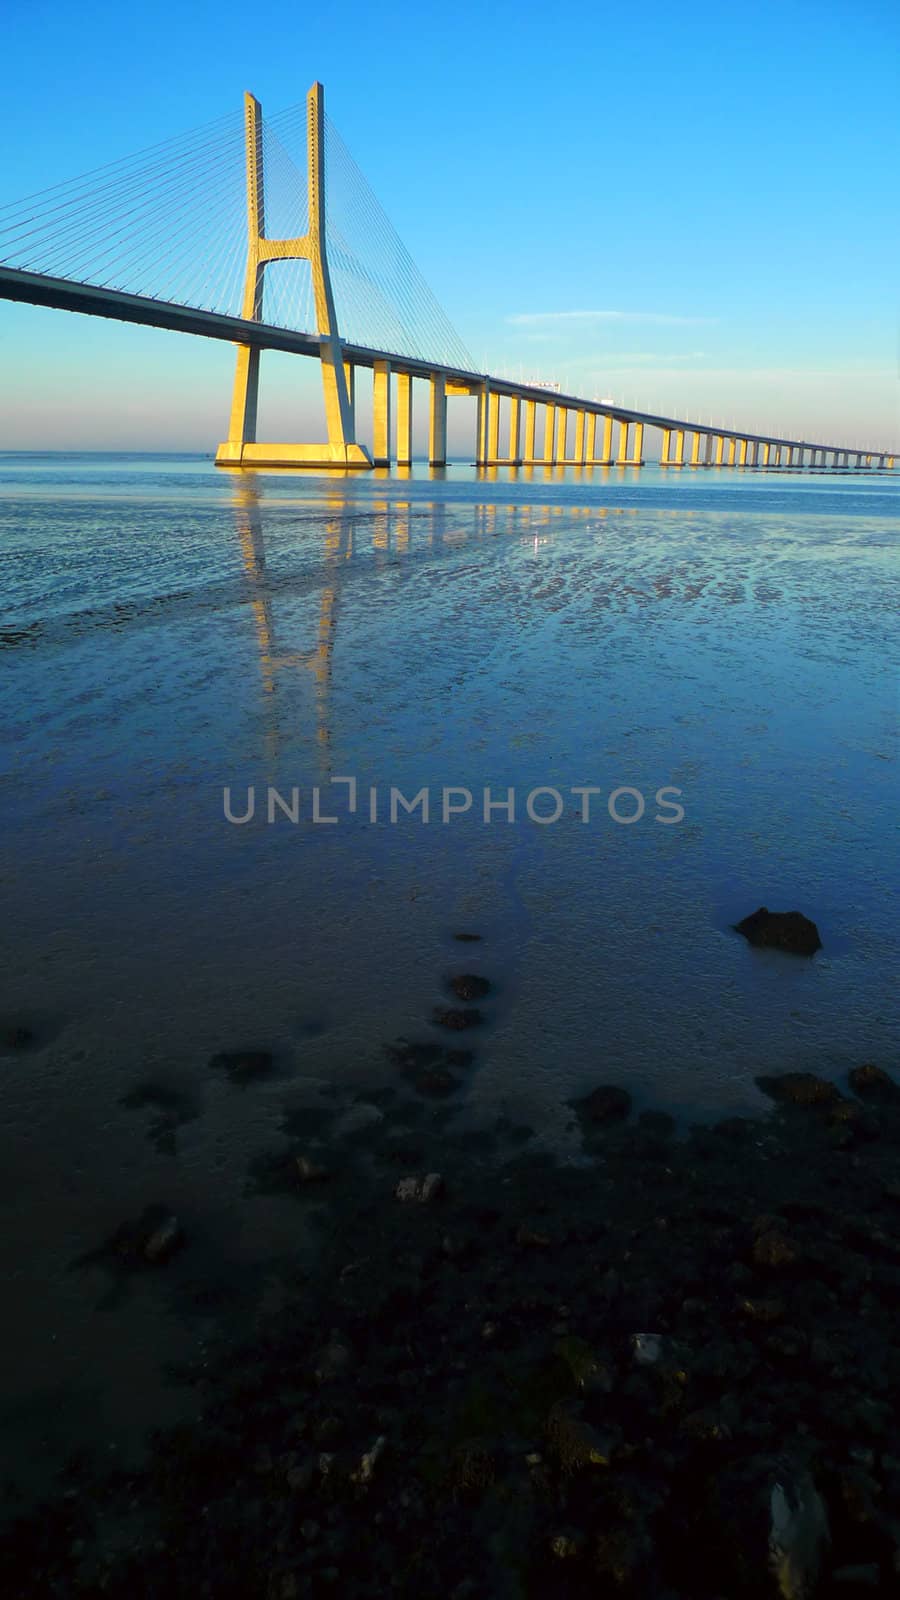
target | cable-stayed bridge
x=266, y=234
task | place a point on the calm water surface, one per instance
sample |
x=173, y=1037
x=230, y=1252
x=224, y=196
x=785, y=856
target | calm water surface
x=168, y=630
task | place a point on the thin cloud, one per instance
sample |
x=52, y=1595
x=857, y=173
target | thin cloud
x=523, y=318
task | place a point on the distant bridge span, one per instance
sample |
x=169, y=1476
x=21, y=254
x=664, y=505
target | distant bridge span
x=575, y=431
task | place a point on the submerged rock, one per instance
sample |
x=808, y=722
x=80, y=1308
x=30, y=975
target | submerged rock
x=469, y=986
x=456, y=1020
x=17, y=1038
x=309, y=1171
x=164, y=1241
x=607, y=1103
x=242, y=1065
x=873, y=1083
x=419, y=1189
x=799, y=1089
x=798, y=1535
x=781, y=930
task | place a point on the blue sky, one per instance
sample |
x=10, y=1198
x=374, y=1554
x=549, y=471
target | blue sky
x=685, y=209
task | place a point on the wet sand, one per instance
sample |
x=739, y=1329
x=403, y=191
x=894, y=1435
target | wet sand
x=530, y=1378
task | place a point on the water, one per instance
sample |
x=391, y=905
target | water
x=169, y=630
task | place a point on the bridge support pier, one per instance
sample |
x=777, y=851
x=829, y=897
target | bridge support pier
x=720, y=449
x=437, y=422
x=241, y=447
x=381, y=413
x=562, y=428
x=515, y=431
x=580, y=422
x=590, y=443
x=732, y=451
x=404, y=419
x=664, y=448
x=493, y=440
x=549, y=434
x=530, y=428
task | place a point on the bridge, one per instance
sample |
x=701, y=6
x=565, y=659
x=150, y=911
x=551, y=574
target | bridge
x=177, y=238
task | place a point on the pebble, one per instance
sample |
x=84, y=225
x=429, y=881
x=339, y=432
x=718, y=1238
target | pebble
x=781, y=930
x=647, y=1348
x=164, y=1241
x=309, y=1172
x=469, y=986
x=455, y=1020
x=421, y=1190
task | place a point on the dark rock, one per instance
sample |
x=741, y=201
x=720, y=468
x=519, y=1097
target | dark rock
x=473, y=1467
x=773, y=1249
x=456, y=1020
x=658, y=1123
x=437, y=1082
x=575, y=1442
x=333, y=1359
x=164, y=1241
x=780, y=930
x=469, y=986
x=873, y=1083
x=17, y=1038
x=567, y=1545
x=309, y=1171
x=242, y=1065
x=608, y=1103
x=799, y=1089
x=423, y=1190
x=468, y=938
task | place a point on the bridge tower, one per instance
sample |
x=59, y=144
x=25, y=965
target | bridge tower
x=241, y=448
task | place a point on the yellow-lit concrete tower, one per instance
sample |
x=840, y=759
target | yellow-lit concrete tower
x=241, y=447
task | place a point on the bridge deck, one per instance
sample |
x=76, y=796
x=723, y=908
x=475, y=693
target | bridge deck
x=62, y=294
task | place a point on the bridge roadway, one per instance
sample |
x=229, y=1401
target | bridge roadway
x=62, y=294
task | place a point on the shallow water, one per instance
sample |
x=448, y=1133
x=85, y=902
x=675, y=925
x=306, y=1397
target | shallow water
x=169, y=630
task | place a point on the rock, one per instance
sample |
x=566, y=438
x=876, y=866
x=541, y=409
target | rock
x=608, y=1103
x=164, y=1241
x=472, y=1467
x=764, y=1311
x=468, y=938
x=575, y=1442
x=300, y=1477
x=437, y=1082
x=567, y=1545
x=531, y=1239
x=456, y=1020
x=17, y=1038
x=647, y=1348
x=242, y=1065
x=308, y=1171
x=706, y=1426
x=799, y=1089
x=798, y=1535
x=780, y=930
x=773, y=1249
x=368, y=1462
x=333, y=1359
x=468, y=986
x=873, y=1083
x=422, y=1189
x=587, y=1371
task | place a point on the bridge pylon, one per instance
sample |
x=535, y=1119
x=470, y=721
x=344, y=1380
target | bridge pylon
x=241, y=448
